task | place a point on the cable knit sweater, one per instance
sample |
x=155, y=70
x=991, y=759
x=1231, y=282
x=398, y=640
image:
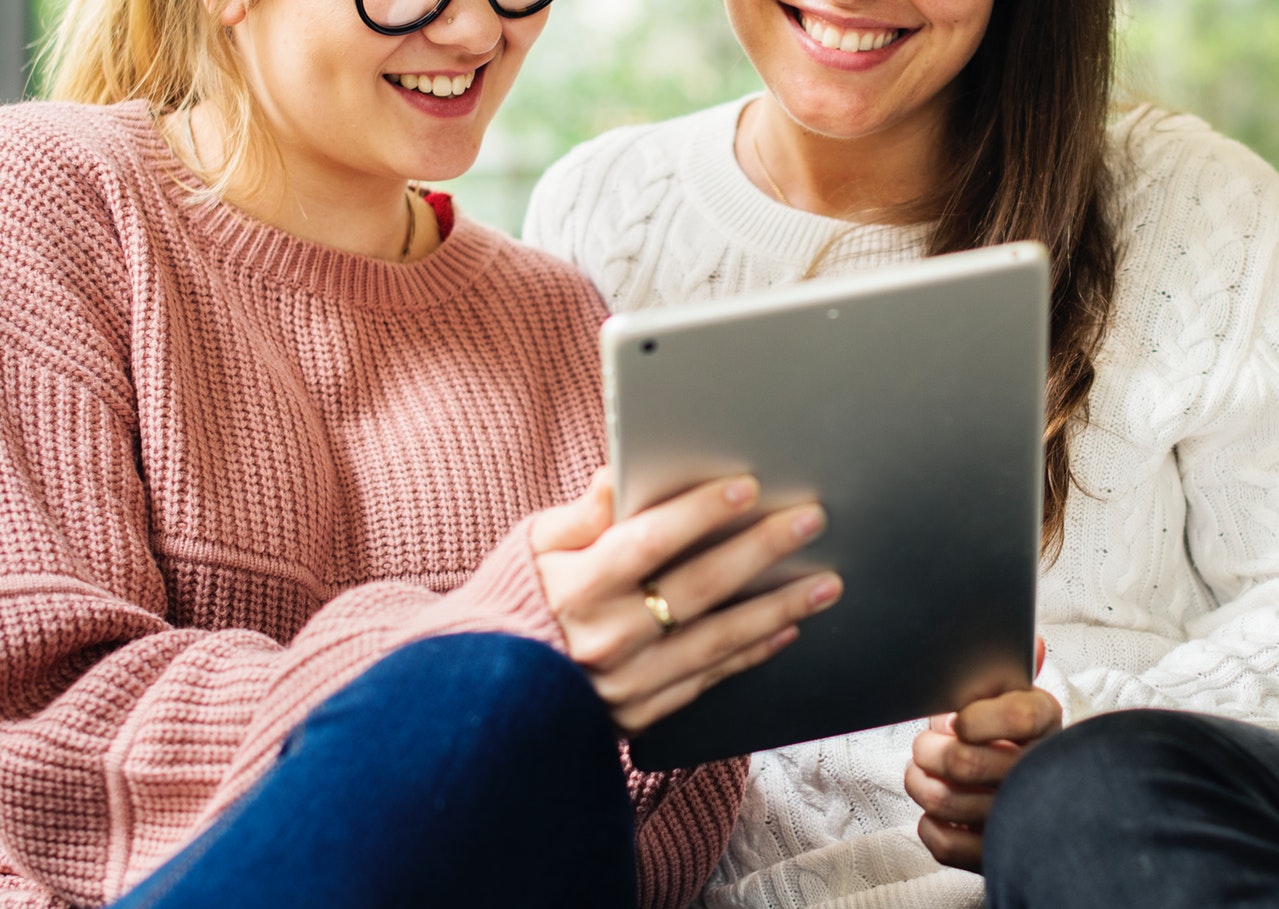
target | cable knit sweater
x=1167, y=591
x=236, y=468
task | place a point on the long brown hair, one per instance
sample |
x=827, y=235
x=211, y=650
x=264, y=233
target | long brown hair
x=1029, y=134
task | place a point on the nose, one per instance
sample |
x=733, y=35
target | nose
x=472, y=25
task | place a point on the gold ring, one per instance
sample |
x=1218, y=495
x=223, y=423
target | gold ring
x=659, y=609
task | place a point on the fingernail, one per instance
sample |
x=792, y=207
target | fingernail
x=824, y=593
x=786, y=636
x=739, y=492
x=808, y=523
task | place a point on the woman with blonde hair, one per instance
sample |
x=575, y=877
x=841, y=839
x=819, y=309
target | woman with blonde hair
x=299, y=608
x=888, y=130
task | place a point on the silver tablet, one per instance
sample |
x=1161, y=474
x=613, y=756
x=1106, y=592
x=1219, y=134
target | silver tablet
x=910, y=402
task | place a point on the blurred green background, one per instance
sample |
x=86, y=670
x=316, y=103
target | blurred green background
x=601, y=63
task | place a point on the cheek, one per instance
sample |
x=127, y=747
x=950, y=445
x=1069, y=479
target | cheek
x=966, y=18
x=328, y=45
x=960, y=27
x=763, y=35
x=518, y=38
x=300, y=58
x=520, y=35
x=743, y=21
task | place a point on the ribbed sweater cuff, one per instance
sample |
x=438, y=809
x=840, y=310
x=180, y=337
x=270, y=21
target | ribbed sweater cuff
x=686, y=831
x=508, y=587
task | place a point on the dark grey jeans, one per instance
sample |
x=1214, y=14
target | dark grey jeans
x=1141, y=808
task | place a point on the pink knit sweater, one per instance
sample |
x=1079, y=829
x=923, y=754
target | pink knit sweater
x=236, y=468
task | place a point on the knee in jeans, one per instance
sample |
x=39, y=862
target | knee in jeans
x=1134, y=738
x=1079, y=764
x=1073, y=774
x=519, y=678
x=489, y=685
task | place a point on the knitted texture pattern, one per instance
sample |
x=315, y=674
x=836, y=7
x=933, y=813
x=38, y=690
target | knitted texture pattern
x=1167, y=590
x=236, y=468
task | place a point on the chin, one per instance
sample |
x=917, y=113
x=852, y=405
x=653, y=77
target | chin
x=447, y=162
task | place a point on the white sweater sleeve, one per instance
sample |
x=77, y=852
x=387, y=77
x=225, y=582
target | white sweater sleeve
x=1173, y=541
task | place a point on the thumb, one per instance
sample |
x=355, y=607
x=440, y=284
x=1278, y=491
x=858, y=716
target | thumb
x=1040, y=652
x=578, y=523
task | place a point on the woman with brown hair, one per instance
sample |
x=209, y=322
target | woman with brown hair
x=894, y=129
x=309, y=597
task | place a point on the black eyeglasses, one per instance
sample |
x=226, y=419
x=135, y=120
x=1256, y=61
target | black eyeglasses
x=400, y=17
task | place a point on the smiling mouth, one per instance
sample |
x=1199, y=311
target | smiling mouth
x=436, y=86
x=848, y=40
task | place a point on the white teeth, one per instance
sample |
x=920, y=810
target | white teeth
x=849, y=40
x=439, y=86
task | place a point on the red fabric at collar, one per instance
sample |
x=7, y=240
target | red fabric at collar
x=442, y=204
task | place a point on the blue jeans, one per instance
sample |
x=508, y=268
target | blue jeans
x=1142, y=808
x=469, y=770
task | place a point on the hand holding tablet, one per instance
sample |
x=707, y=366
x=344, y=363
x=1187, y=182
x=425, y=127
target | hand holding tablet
x=909, y=403
x=646, y=661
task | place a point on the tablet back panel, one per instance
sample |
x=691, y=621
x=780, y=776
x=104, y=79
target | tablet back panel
x=909, y=401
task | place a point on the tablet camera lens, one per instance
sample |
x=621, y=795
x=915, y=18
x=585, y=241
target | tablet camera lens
x=648, y=345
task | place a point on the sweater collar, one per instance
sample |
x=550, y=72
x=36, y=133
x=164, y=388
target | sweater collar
x=752, y=220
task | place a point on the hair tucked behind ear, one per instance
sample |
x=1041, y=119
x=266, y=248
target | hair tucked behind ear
x=1029, y=130
x=171, y=53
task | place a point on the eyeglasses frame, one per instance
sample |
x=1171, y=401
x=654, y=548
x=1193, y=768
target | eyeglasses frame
x=424, y=21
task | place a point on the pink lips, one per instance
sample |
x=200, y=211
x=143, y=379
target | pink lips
x=859, y=61
x=455, y=106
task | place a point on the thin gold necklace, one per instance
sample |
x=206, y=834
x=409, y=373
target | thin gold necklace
x=412, y=228
x=759, y=159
